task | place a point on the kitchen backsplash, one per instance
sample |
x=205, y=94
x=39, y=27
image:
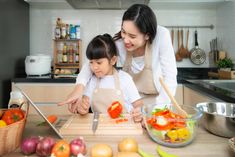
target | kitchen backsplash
x=94, y=22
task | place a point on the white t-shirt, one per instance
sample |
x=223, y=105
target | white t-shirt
x=127, y=85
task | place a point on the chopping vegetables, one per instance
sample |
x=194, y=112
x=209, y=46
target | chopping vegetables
x=115, y=110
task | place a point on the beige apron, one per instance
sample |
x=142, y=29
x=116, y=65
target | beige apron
x=144, y=79
x=103, y=97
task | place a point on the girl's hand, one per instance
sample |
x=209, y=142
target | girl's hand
x=74, y=99
x=84, y=107
x=137, y=114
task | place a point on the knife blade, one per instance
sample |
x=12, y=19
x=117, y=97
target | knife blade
x=95, y=122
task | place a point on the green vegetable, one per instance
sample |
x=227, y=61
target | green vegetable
x=163, y=153
x=144, y=154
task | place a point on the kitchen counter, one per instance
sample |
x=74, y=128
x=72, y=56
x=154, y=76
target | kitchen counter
x=204, y=145
x=207, y=88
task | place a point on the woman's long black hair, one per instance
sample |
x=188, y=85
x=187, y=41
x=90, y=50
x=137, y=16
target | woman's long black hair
x=143, y=17
x=102, y=46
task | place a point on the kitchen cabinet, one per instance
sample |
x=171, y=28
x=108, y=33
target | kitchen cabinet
x=192, y=97
x=67, y=57
x=46, y=95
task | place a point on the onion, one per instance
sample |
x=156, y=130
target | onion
x=28, y=145
x=78, y=146
x=45, y=146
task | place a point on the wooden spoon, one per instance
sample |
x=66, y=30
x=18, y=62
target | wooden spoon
x=177, y=55
x=183, y=52
x=174, y=102
x=186, y=47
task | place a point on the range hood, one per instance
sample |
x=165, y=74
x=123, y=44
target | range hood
x=104, y=4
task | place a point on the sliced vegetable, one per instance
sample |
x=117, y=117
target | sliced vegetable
x=115, y=109
x=163, y=153
x=12, y=115
x=50, y=118
x=120, y=120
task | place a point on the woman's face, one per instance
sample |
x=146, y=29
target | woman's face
x=132, y=37
x=102, y=67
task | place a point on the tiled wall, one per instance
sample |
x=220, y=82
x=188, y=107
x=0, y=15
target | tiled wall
x=226, y=27
x=95, y=22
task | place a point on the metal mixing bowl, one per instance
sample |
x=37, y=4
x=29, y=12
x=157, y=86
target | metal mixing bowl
x=218, y=118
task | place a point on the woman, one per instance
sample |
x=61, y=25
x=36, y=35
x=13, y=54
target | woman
x=145, y=52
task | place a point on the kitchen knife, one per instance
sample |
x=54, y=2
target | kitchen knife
x=95, y=121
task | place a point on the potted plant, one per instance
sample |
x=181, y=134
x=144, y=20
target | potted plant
x=225, y=64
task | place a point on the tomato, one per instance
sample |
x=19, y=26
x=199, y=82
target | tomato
x=12, y=115
x=61, y=149
x=115, y=109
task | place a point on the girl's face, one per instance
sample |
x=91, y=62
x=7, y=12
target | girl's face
x=132, y=37
x=102, y=67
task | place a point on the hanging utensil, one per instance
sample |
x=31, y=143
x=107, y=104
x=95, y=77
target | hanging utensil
x=197, y=55
x=174, y=102
x=183, y=52
x=177, y=55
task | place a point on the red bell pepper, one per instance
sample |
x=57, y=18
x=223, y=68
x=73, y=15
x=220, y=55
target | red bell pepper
x=115, y=109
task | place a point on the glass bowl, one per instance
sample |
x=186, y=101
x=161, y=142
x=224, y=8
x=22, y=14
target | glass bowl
x=168, y=128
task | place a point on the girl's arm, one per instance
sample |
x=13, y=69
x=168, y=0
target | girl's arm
x=74, y=99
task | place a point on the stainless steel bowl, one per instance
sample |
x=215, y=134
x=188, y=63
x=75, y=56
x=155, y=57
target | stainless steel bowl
x=218, y=118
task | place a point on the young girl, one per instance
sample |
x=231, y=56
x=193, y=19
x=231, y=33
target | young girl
x=108, y=84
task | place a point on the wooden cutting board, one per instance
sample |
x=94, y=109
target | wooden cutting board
x=82, y=125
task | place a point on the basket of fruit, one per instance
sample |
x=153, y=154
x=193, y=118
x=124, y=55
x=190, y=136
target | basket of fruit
x=12, y=123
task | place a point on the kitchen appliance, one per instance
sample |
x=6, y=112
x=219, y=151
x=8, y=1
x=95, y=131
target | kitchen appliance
x=39, y=64
x=218, y=118
x=197, y=55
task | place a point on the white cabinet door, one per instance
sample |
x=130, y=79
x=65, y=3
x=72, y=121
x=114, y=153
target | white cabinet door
x=47, y=95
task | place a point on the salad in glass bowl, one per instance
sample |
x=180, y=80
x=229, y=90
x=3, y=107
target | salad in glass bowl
x=166, y=127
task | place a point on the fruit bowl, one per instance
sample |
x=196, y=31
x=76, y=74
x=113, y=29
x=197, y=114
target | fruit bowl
x=168, y=128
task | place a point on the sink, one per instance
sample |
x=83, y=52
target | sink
x=224, y=84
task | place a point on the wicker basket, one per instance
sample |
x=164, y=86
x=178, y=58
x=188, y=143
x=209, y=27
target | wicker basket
x=11, y=135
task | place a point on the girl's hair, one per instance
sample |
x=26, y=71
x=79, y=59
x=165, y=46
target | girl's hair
x=102, y=46
x=143, y=17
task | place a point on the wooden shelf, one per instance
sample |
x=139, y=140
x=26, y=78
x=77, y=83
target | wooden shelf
x=58, y=45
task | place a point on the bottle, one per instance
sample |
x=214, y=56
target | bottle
x=65, y=57
x=71, y=59
x=63, y=31
x=57, y=29
x=78, y=32
x=67, y=32
x=16, y=100
x=72, y=32
x=77, y=57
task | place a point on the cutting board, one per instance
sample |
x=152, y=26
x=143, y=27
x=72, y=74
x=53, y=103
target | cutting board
x=82, y=125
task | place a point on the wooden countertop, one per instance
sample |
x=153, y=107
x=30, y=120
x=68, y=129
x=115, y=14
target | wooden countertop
x=204, y=145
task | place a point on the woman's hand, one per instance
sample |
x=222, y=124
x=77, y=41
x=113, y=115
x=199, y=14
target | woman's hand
x=74, y=99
